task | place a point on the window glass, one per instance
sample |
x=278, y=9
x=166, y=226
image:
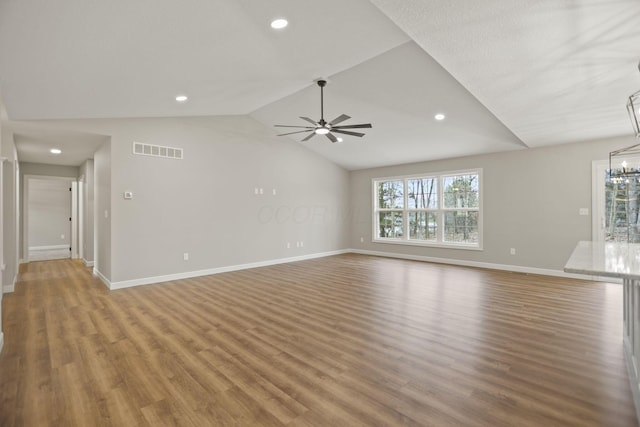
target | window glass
x=391, y=194
x=430, y=210
x=422, y=193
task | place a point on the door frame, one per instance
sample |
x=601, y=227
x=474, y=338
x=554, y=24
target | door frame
x=73, y=182
x=598, y=198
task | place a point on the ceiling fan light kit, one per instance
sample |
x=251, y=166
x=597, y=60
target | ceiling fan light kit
x=321, y=127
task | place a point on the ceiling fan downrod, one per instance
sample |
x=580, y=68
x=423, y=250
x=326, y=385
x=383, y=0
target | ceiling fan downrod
x=322, y=84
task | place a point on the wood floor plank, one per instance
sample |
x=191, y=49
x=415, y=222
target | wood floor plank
x=349, y=340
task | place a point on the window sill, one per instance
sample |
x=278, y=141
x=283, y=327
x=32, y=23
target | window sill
x=466, y=247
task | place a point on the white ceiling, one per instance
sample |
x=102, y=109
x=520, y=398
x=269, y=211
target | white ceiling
x=508, y=74
x=34, y=141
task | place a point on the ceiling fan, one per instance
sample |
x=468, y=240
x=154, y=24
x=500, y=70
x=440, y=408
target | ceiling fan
x=321, y=127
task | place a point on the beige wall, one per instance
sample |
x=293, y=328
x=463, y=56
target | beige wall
x=10, y=215
x=205, y=204
x=102, y=203
x=531, y=200
x=86, y=175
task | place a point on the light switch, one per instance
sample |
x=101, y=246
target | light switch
x=584, y=211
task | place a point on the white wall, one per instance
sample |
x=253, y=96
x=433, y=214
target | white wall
x=531, y=203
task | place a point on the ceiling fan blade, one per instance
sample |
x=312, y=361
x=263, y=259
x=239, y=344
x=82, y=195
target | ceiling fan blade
x=291, y=133
x=309, y=120
x=346, y=132
x=339, y=119
x=366, y=125
x=331, y=137
x=311, y=135
x=290, y=126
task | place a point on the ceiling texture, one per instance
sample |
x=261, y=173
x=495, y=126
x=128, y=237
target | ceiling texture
x=507, y=74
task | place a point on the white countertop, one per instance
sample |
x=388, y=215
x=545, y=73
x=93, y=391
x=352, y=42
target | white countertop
x=608, y=259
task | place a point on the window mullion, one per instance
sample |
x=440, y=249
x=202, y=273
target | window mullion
x=440, y=237
x=405, y=213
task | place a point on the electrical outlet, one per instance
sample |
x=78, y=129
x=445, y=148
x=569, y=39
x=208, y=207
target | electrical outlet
x=185, y=256
x=362, y=240
x=512, y=251
x=288, y=245
x=583, y=211
x=62, y=236
x=302, y=244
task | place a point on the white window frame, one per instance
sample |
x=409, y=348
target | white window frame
x=440, y=211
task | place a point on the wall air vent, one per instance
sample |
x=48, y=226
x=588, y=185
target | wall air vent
x=157, y=150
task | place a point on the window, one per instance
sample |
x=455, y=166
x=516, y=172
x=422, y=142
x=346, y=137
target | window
x=430, y=210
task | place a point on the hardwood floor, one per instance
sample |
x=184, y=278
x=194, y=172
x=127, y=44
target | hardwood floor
x=349, y=340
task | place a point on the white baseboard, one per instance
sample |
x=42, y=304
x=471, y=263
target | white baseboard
x=48, y=248
x=207, y=272
x=102, y=277
x=487, y=265
x=87, y=263
x=1, y=341
x=11, y=287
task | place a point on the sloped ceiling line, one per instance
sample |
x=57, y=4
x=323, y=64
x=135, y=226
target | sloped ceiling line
x=508, y=75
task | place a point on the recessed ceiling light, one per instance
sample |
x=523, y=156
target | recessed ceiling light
x=278, y=24
x=55, y=151
x=439, y=116
x=181, y=98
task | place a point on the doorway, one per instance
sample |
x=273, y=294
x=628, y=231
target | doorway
x=50, y=218
x=615, y=204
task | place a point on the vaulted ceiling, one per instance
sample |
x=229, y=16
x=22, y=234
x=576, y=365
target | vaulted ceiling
x=507, y=74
